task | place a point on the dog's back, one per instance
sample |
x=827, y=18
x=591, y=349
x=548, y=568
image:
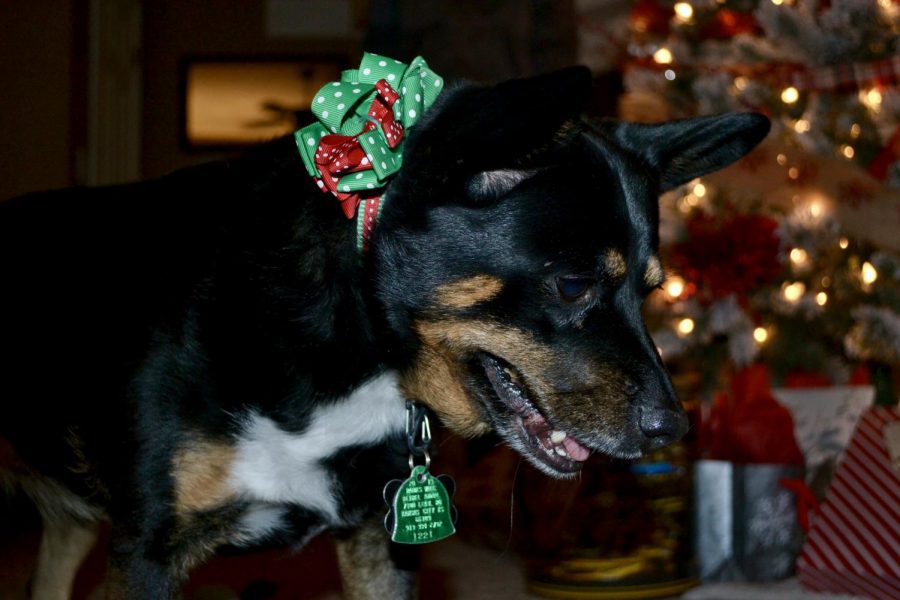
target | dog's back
x=116, y=295
x=85, y=274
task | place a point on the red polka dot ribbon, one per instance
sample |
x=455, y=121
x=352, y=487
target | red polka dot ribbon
x=356, y=145
x=339, y=155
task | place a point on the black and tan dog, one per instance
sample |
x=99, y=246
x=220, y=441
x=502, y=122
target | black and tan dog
x=205, y=360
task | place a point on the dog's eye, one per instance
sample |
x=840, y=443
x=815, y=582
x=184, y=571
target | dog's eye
x=573, y=288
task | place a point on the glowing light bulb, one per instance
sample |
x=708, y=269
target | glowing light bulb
x=843, y=243
x=801, y=126
x=847, y=151
x=793, y=172
x=685, y=326
x=868, y=273
x=815, y=209
x=790, y=95
x=684, y=11
x=740, y=82
x=663, y=56
x=782, y=159
x=674, y=287
x=669, y=74
x=821, y=298
x=760, y=334
x=799, y=256
x=855, y=130
x=873, y=99
x=699, y=190
x=777, y=2
x=794, y=291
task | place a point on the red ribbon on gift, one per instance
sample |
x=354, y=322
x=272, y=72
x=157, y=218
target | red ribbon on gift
x=339, y=155
x=747, y=425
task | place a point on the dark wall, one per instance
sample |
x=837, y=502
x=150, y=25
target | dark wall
x=177, y=29
x=43, y=44
x=481, y=40
x=37, y=133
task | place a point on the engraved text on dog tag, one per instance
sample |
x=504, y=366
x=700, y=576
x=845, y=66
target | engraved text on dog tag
x=420, y=509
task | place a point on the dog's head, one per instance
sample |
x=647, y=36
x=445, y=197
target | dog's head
x=514, y=253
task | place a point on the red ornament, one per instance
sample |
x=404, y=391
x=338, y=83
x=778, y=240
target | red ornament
x=734, y=255
x=649, y=17
x=888, y=156
x=729, y=23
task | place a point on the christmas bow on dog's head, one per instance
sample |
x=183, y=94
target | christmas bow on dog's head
x=356, y=145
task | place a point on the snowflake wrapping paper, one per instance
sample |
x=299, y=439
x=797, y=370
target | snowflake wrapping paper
x=746, y=522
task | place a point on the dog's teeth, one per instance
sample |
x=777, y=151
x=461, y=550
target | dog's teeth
x=513, y=376
x=558, y=436
x=560, y=451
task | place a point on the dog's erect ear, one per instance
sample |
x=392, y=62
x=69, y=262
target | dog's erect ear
x=476, y=129
x=685, y=149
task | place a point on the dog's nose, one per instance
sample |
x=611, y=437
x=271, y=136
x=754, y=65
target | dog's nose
x=662, y=426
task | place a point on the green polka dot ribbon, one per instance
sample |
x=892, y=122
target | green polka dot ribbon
x=356, y=145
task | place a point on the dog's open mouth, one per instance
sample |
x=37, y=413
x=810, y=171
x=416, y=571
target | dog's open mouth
x=532, y=434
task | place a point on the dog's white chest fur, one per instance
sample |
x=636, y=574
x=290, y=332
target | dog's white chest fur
x=274, y=467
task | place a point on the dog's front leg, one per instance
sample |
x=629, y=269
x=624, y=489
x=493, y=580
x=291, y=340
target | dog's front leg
x=372, y=567
x=134, y=571
x=131, y=577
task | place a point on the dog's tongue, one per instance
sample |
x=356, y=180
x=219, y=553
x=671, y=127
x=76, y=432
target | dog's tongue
x=538, y=428
x=576, y=450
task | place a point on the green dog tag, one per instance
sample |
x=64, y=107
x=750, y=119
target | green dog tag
x=420, y=509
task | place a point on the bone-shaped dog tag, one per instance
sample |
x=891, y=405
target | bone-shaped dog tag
x=420, y=510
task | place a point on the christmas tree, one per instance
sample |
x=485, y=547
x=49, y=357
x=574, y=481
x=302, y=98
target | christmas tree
x=792, y=256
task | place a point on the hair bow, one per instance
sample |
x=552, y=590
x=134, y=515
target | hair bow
x=356, y=145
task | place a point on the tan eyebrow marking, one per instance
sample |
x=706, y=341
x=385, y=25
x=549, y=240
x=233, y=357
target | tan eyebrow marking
x=468, y=292
x=654, y=275
x=615, y=263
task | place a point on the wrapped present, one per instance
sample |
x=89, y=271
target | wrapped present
x=824, y=420
x=746, y=521
x=854, y=543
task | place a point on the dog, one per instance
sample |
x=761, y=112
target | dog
x=206, y=360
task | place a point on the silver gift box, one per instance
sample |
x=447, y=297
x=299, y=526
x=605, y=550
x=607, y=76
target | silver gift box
x=745, y=522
